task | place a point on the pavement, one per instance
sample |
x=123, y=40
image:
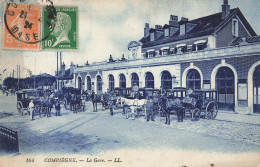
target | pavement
x=235, y=117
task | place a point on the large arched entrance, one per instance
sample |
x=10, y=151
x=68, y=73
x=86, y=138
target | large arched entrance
x=111, y=82
x=99, y=85
x=134, y=79
x=166, y=80
x=193, y=80
x=225, y=85
x=256, y=89
x=122, y=81
x=149, y=80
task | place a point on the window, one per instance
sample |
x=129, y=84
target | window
x=151, y=54
x=134, y=79
x=99, y=83
x=88, y=83
x=193, y=80
x=111, y=82
x=235, y=27
x=149, y=80
x=166, y=80
x=122, y=81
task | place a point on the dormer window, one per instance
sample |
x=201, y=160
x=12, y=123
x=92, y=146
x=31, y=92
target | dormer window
x=181, y=48
x=166, y=32
x=152, y=36
x=150, y=53
x=165, y=50
x=200, y=45
x=235, y=27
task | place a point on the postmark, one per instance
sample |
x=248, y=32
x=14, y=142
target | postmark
x=22, y=24
x=65, y=33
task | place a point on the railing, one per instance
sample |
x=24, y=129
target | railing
x=8, y=140
x=217, y=53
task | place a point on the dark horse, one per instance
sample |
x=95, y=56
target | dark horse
x=169, y=105
x=95, y=99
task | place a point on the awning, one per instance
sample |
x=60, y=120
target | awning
x=164, y=48
x=181, y=45
x=200, y=41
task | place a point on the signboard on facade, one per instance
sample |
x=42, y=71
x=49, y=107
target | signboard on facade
x=242, y=91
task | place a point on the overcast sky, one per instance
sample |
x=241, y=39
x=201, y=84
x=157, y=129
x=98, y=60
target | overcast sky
x=107, y=26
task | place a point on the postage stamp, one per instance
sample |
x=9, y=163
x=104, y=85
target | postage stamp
x=22, y=26
x=65, y=33
x=22, y=23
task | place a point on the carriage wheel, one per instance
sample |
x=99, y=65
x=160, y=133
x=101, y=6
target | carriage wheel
x=196, y=114
x=20, y=108
x=211, y=110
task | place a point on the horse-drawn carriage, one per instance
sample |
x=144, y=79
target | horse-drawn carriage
x=41, y=101
x=201, y=103
x=72, y=99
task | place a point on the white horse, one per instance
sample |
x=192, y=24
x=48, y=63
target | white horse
x=136, y=106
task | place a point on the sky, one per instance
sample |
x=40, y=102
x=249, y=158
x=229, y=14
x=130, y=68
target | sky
x=105, y=27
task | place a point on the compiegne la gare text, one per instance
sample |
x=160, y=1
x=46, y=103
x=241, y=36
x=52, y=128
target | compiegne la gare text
x=63, y=159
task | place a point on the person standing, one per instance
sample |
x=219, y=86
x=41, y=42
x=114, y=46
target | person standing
x=135, y=90
x=57, y=107
x=30, y=108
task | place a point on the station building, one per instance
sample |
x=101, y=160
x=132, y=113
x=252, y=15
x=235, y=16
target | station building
x=219, y=51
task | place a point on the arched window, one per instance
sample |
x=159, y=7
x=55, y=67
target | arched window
x=79, y=83
x=99, y=84
x=149, y=80
x=193, y=80
x=166, y=80
x=122, y=81
x=225, y=85
x=111, y=82
x=88, y=83
x=134, y=79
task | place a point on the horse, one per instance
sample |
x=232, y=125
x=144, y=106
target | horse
x=95, y=99
x=134, y=105
x=169, y=105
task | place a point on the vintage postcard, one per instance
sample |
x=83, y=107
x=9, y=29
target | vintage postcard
x=116, y=83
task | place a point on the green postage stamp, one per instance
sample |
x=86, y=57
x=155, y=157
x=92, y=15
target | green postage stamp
x=64, y=35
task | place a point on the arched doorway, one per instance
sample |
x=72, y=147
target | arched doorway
x=79, y=83
x=122, y=81
x=193, y=80
x=149, y=80
x=88, y=83
x=99, y=85
x=225, y=85
x=134, y=79
x=166, y=80
x=256, y=89
x=111, y=82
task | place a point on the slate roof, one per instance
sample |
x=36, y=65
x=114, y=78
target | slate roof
x=205, y=26
x=238, y=40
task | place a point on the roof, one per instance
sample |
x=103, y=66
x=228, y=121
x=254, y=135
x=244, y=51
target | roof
x=205, y=26
x=239, y=40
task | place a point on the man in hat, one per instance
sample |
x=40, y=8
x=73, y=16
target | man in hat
x=135, y=90
x=57, y=106
x=149, y=109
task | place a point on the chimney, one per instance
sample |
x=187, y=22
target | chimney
x=146, y=29
x=63, y=69
x=173, y=20
x=158, y=27
x=225, y=9
x=71, y=68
